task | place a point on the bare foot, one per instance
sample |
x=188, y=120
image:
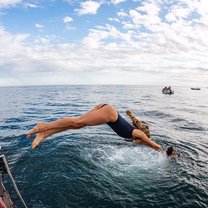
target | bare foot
x=38, y=139
x=37, y=129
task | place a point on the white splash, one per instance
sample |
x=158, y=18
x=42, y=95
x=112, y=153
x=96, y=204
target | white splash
x=122, y=160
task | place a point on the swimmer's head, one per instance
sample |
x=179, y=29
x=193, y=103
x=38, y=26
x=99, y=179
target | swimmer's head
x=171, y=152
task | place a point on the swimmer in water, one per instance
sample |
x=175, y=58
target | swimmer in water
x=172, y=153
x=100, y=114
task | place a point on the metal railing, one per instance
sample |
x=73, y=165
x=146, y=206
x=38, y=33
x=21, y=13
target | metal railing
x=8, y=171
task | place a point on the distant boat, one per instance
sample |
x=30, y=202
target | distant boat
x=167, y=90
x=5, y=200
x=195, y=88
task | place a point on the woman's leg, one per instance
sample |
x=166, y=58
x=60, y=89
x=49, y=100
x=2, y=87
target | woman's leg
x=98, y=115
x=41, y=127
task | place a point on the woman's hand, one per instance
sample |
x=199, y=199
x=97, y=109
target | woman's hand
x=157, y=147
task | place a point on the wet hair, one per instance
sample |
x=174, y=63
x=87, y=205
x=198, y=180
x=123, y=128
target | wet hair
x=169, y=151
x=143, y=126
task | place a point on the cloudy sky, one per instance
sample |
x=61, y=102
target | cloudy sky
x=156, y=42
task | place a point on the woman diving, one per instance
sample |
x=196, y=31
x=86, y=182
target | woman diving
x=100, y=114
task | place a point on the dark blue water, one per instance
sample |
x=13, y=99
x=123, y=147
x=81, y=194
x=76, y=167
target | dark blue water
x=95, y=168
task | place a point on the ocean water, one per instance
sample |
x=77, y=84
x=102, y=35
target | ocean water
x=95, y=168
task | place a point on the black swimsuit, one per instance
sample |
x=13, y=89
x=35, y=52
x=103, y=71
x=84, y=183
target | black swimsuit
x=121, y=126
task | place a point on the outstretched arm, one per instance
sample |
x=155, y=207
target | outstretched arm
x=141, y=136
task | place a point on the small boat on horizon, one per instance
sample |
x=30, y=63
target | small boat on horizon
x=167, y=90
x=195, y=88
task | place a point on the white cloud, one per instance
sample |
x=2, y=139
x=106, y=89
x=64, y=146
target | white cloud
x=100, y=36
x=122, y=14
x=145, y=15
x=67, y=19
x=39, y=27
x=30, y=5
x=117, y=1
x=7, y=3
x=177, y=47
x=88, y=7
x=170, y=17
x=113, y=19
x=128, y=26
x=181, y=12
x=202, y=9
x=149, y=8
x=43, y=40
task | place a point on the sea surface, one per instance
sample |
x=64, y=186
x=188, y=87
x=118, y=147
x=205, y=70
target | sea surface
x=93, y=167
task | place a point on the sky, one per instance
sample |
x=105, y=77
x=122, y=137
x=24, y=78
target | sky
x=137, y=42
